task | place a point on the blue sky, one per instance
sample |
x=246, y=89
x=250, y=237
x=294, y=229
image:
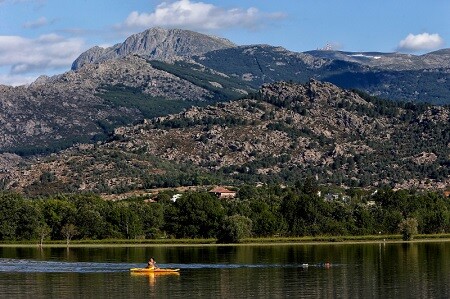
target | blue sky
x=44, y=36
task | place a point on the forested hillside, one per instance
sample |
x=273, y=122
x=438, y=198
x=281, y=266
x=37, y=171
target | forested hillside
x=284, y=133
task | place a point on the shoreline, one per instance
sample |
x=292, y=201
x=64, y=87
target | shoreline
x=348, y=240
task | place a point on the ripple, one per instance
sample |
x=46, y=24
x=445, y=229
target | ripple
x=241, y=266
x=33, y=266
x=36, y=266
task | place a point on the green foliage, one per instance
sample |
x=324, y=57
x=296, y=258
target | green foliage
x=36, y=147
x=408, y=228
x=234, y=229
x=69, y=230
x=303, y=213
x=202, y=78
x=194, y=215
x=58, y=212
x=236, y=62
x=411, y=86
x=266, y=211
x=131, y=97
x=43, y=231
x=9, y=215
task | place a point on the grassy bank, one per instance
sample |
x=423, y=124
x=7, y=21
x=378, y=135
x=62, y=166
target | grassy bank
x=249, y=241
x=345, y=239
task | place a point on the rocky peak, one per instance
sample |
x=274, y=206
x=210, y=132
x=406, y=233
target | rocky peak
x=313, y=91
x=90, y=56
x=158, y=44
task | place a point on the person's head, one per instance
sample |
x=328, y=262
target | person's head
x=151, y=259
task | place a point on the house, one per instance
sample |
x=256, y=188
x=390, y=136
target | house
x=175, y=197
x=222, y=192
x=447, y=193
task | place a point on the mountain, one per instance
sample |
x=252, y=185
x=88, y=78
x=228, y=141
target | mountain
x=394, y=76
x=282, y=133
x=87, y=104
x=159, y=72
x=156, y=44
x=389, y=61
x=387, y=75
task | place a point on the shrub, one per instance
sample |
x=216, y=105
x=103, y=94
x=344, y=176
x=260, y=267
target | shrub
x=408, y=228
x=234, y=229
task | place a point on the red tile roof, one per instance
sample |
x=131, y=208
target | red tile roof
x=221, y=190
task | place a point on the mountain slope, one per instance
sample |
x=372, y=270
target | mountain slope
x=388, y=75
x=87, y=104
x=389, y=61
x=283, y=133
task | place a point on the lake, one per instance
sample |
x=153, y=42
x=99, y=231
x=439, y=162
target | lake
x=379, y=270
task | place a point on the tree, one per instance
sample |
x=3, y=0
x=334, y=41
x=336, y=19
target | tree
x=234, y=229
x=57, y=212
x=69, y=230
x=408, y=228
x=302, y=213
x=391, y=220
x=151, y=217
x=310, y=186
x=10, y=205
x=265, y=218
x=29, y=218
x=247, y=192
x=43, y=231
x=435, y=214
x=194, y=215
x=127, y=220
x=90, y=217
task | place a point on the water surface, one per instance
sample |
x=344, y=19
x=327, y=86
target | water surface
x=416, y=270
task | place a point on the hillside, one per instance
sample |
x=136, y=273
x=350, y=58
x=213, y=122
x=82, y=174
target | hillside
x=283, y=133
x=87, y=104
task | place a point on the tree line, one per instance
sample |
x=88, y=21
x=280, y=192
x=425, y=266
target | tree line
x=267, y=211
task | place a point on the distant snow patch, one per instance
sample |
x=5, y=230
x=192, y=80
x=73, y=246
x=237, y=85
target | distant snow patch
x=365, y=56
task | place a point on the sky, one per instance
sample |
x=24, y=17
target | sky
x=43, y=37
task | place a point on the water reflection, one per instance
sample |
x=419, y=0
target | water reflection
x=383, y=270
x=152, y=277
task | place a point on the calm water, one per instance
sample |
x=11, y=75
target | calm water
x=419, y=270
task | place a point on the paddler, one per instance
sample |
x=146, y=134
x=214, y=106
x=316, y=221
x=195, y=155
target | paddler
x=151, y=264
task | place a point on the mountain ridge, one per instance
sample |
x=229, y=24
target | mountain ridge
x=156, y=43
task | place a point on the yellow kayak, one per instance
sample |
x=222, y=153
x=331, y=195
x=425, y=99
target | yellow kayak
x=153, y=270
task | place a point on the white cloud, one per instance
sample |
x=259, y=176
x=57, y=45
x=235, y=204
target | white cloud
x=197, y=16
x=420, y=42
x=42, y=21
x=23, y=56
x=16, y=80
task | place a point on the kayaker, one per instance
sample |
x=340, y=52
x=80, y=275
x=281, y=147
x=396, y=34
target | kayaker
x=151, y=264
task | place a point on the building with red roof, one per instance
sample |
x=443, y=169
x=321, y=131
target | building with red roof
x=222, y=192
